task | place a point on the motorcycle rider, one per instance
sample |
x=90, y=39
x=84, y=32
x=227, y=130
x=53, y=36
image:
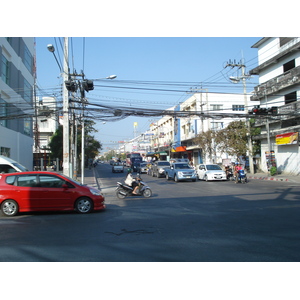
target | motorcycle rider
x=133, y=182
x=238, y=167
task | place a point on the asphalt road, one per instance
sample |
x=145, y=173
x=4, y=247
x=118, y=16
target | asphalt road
x=182, y=222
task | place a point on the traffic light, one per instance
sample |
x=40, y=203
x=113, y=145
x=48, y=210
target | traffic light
x=273, y=110
x=257, y=110
x=71, y=85
x=88, y=85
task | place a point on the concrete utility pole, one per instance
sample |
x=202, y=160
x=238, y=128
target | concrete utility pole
x=66, y=143
x=237, y=79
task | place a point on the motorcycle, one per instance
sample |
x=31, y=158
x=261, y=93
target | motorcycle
x=123, y=190
x=242, y=177
x=229, y=174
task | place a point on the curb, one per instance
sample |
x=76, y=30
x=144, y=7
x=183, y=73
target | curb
x=268, y=178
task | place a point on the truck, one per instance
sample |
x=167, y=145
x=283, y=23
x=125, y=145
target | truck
x=158, y=169
x=181, y=172
x=133, y=160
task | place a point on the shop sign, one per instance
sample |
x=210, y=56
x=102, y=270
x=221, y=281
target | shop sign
x=290, y=138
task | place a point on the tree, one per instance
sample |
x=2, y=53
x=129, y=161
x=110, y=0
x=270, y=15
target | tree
x=92, y=146
x=56, y=144
x=206, y=142
x=233, y=139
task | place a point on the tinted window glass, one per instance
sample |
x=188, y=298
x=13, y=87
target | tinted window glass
x=27, y=181
x=10, y=179
x=51, y=181
x=7, y=169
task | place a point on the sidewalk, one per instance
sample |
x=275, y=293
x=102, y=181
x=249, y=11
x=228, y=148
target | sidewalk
x=280, y=177
x=90, y=178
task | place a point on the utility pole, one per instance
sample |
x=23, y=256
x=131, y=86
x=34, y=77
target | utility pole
x=66, y=143
x=237, y=79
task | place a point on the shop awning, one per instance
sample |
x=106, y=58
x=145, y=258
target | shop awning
x=161, y=153
x=180, y=149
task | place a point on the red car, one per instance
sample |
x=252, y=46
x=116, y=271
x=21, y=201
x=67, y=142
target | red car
x=46, y=191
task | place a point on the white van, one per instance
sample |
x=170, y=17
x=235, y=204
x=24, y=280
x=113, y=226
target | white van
x=7, y=165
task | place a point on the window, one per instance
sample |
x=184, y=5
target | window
x=284, y=40
x=216, y=106
x=5, y=69
x=5, y=151
x=27, y=59
x=291, y=97
x=289, y=65
x=3, y=112
x=7, y=169
x=51, y=181
x=10, y=179
x=238, y=107
x=27, y=181
x=27, y=92
x=27, y=126
x=216, y=125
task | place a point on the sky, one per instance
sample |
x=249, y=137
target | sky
x=182, y=62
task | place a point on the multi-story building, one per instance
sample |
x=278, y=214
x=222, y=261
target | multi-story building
x=45, y=125
x=217, y=110
x=16, y=98
x=279, y=87
x=201, y=112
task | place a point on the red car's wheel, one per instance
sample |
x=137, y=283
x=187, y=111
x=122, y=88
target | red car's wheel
x=84, y=205
x=9, y=208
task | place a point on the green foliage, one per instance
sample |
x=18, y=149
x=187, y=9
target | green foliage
x=273, y=171
x=56, y=144
x=92, y=146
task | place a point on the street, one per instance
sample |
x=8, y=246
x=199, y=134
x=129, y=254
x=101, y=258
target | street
x=182, y=222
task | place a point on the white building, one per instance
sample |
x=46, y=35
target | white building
x=205, y=111
x=16, y=98
x=279, y=86
x=47, y=121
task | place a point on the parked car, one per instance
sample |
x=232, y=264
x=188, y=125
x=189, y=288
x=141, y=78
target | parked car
x=142, y=168
x=159, y=167
x=7, y=165
x=210, y=172
x=46, y=191
x=117, y=167
x=181, y=172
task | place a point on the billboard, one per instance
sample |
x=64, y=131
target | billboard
x=290, y=138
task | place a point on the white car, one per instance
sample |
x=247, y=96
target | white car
x=210, y=172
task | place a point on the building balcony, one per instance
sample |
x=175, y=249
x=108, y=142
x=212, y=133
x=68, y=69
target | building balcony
x=276, y=84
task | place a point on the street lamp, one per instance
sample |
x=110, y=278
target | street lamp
x=108, y=77
x=51, y=49
x=66, y=143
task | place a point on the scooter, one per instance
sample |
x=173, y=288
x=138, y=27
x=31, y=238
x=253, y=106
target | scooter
x=123, y=190
x=229, y=174
x=242, y=177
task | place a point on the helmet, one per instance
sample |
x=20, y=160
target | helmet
x=129, y=170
